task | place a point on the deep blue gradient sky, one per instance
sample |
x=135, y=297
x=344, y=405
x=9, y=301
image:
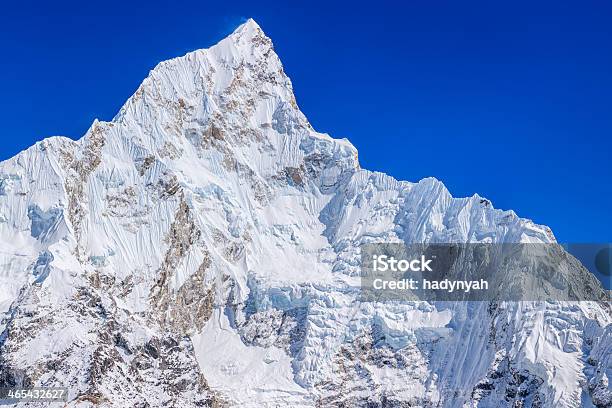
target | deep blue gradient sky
x=512, y=100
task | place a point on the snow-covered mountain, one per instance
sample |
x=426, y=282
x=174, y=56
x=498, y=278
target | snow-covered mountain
x=202, y=249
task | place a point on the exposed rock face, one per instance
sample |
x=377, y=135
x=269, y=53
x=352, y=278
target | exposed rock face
x=202, y=249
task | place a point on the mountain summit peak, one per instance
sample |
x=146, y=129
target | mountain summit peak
x=240, y=68
x=248, y=26
x=246, y=36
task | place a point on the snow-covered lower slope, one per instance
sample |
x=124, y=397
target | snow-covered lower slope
x=202, y=249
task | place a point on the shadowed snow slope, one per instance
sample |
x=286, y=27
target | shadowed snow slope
x=202, y=249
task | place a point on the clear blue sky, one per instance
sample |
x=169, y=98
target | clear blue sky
x=512, y=100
